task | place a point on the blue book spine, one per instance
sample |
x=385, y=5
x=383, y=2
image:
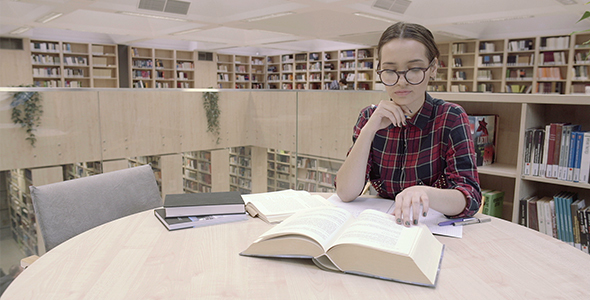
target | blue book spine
x=572, y=155
x=559, y=217
x=578, y=159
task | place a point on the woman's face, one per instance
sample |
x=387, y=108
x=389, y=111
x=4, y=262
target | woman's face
x=401, y=55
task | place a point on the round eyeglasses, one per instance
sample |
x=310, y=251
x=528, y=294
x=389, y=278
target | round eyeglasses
x=413, y=76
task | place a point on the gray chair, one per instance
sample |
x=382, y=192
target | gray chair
x=66, y=209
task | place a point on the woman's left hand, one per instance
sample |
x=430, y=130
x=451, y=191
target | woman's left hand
x=410, y=204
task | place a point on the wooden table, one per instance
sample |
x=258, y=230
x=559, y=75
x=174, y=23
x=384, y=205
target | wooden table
x=137, y=258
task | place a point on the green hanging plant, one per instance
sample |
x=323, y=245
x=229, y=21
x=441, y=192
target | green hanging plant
x=27, y=111
x=211, y=106
x=585, y=16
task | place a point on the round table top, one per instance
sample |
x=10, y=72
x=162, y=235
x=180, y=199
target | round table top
x=136, y=257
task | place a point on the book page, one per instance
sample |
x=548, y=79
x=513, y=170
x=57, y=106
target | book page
x=321, y=224
x=284, y=202
x=379, y=230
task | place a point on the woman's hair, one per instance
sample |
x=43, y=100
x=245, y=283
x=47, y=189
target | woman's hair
x=411, y=31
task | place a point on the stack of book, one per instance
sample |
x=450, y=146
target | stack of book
x=201, y=209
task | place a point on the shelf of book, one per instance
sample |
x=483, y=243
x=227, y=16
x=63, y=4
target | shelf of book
x=81, y=169
x=68, y=64
x=280, y=170
x=197, y=172
x=240, y=169
x=161, y=68
x=21, y=212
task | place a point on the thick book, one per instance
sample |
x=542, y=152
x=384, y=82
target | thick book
x=372, y=244
x=494, y=203
x=203, y=204
x=274, y=207
x=174, y=223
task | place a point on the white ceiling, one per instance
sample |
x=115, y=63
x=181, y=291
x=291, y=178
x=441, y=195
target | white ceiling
x=314, y=25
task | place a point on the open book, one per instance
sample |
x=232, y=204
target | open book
x=371, y=244
x=274, y=207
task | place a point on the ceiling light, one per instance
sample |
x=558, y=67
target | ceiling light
x=49, y=17
x=459, y=36
x=128, y=13
x=20, y=30
x=374, y=17
x=186, y=31
x=493, y=20
x=567, y=2
x=270, y=16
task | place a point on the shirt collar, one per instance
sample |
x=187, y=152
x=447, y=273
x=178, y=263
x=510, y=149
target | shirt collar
x=423, y=116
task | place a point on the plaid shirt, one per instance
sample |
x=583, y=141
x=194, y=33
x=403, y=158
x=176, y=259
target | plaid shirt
x=434, y=149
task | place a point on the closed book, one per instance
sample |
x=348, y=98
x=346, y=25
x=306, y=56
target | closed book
x=577, y=206
x=204, y=204
x=494, y=203
x=174, y=223
x=484, y=129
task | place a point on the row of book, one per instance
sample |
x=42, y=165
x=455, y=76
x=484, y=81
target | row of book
x=520, y=60
x=519, y=74
x=484, y=75
x=580, y=72
x=487, y=47
x=143, y=63
x=553, y=43
x=552, y=73
x=552, y=58
x=46, y=72
x=45, y=47
x=519, y=88
x=550, y=87
x=485, y=88
x=490, y=61
x=559, y=150
x=41, y=59
x=520, y=45
x=562, y=216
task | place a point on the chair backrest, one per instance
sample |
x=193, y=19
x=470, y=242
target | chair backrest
x=66, y=209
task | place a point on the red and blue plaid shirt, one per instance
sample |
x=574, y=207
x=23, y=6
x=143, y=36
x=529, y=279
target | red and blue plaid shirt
x=434, y=149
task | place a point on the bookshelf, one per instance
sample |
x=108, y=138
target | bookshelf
x=69, y=64
x=280, y=170
x=197, y=172
x=462, y=66
x=105, y=66
x=240, y=169
x=161, y=68
x=520, y=65
x=316, y=174
x=490, y=66
x=21, y=212
x=81, y=169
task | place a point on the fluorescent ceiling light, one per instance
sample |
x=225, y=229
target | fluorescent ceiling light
x=567, y=2
x=493, y=20
x=374, y=17
x=459, y=36
x=186, y=31
x=270, y=16
x=128, y=13
x=20, y=30
x=49, y=17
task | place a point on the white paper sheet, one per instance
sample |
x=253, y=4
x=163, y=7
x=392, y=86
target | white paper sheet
x=387, y=205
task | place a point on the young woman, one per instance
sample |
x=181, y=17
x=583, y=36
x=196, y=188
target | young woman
x=413, y=148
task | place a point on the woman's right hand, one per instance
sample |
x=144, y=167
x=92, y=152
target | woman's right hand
x=387, y=113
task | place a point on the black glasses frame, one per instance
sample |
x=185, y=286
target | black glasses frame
x=400, y=73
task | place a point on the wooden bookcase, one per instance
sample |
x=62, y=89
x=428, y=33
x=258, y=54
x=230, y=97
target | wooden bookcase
x=197, y=172
x=280, y=170
x=105, y=66
x=69, y=64
x=161, y=68
x=240, y=169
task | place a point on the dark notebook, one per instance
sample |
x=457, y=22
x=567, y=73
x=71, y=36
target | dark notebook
x=174, y=223
x=204, y=204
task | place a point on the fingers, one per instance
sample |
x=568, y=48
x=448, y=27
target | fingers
x=410, y=206
x=393, y=112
